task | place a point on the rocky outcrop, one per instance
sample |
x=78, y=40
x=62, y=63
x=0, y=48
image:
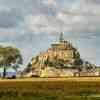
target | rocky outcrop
x=60, y=60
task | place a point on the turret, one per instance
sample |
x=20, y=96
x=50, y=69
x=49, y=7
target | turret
x=61, y=39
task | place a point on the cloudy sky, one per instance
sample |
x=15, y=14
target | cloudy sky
x=32, y=25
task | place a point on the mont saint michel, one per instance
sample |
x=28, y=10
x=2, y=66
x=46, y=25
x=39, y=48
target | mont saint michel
x=62, y=59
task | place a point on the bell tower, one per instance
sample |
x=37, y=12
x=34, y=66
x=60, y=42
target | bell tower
x=61, y=39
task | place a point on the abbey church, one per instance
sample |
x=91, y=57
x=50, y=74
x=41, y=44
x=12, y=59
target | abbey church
x=61, y=50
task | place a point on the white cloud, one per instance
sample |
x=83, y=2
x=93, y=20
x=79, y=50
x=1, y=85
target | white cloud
x=4, y=8
x=84, y=18
x=63, y=21
x=50, y=16
x=41, y=23
x=49, y=2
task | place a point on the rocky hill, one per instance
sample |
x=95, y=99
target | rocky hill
x=61, y=59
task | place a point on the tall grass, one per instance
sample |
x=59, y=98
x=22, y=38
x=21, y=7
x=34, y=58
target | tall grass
x=52, y=90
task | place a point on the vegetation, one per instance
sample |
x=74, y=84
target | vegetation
x=8, y=56
x=29, y=68
x=60, y=63
x=88, y=66
x=73, y=89
x=76, y=54
x=54, y=63
x=26, y=97
x=13, y=96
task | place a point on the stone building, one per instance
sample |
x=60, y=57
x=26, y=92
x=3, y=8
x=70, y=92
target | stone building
x=60, y=50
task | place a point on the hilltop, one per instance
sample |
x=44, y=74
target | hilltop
x=60, y=60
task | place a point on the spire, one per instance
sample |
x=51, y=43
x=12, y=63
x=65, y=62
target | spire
x=61, y=39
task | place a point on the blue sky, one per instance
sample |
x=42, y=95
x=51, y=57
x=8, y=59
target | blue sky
x=32, y=25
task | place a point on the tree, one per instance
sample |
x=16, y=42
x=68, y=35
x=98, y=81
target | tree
x=46, y=62
x=8, y=56
x=54, y=63
x=76, y=54
x=13, y=55
x=78, y=64
x=60, y=63
x=88, y=65
x=29, y=68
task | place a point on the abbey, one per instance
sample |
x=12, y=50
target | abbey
x=60, y=50
x=62, y=59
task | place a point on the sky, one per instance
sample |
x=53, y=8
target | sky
x=32, y=25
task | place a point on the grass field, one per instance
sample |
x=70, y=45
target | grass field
x=82, y=88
